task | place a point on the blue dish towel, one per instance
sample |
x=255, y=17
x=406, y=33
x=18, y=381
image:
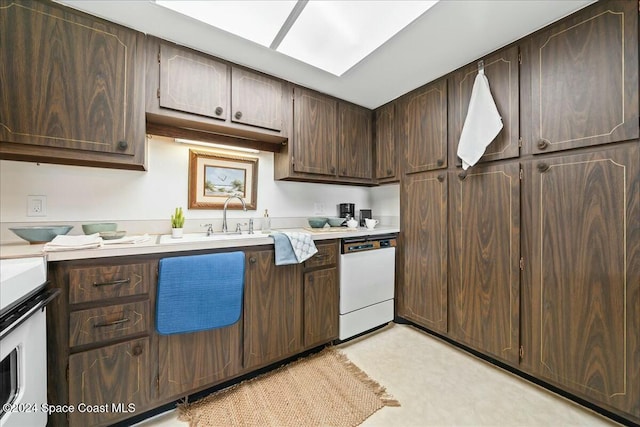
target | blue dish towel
x=293, y=247
x=199, y=292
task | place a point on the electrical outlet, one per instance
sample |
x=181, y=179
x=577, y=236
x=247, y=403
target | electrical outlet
x=36, y=205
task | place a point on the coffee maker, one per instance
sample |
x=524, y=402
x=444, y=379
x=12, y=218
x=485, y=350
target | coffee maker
x=347, y=210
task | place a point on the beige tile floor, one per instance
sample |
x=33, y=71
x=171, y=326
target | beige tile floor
x=439, y=385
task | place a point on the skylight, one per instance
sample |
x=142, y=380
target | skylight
x=328, y=34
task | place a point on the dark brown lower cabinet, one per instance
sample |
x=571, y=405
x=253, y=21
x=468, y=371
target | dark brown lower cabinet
x=272, y=309
x=484, y=248
x=321, y=306
x=108, y=382
x=584, y=282
x=423, y=293
x=192, y=361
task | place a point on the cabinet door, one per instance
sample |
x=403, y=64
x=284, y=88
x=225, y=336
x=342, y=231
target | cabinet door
x=256, y=99
x=485, y=259
x=355, y=146
x=192, y=361
x=585, y=262
x=111, y=377
x=502, y=71
x=272, y=310
x=425, y=128
x=321, y=306
x=193, y=83
x=315, y=132
x=385, y=142
x=584, y=79
x=424, y=245
x=68, y=81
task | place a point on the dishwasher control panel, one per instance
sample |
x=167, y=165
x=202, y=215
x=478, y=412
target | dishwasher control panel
x=367, y=243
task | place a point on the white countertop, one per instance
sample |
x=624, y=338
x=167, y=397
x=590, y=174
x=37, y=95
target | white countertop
x=20, y=250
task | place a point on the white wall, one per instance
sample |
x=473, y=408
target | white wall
x=85, y=194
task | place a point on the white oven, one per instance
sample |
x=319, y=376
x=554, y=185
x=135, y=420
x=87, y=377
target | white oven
x=23, y=341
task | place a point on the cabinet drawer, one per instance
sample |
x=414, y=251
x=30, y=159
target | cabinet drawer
x=97, y=283
x=107, y=323
x=327, y=255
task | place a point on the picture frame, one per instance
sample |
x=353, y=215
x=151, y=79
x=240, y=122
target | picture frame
x=213, y=177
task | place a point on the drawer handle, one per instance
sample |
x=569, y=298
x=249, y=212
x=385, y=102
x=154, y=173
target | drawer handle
x=441, y=177
x=462, y=175
x=252, y=260
x=542, y=167
x=543, y=144
x=238, y=115
x=112, y=283
x=440, y=162
x=137, y=350
x=218, y=111
x=115, y=322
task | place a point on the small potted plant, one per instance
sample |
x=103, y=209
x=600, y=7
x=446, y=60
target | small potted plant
x=177, y=223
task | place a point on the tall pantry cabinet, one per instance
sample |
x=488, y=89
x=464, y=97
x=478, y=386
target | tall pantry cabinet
x=532, y=257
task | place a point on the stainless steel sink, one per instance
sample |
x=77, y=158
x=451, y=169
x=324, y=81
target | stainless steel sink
x=202, y=237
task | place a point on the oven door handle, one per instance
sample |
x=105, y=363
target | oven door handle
x=12, y=320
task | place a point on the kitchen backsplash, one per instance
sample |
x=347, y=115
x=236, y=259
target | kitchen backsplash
x=143, y=201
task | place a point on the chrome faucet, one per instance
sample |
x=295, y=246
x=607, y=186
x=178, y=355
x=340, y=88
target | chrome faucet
x=224, y=210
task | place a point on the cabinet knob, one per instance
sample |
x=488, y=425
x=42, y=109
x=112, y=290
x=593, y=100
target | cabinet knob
x=137, y=350
x=389, y=172
x=311, y=278
x=462, y=175
x=542, y=167
x=252, y=260
x=441, y=177
x=333, y=169
x=123, y=145
x=219, y=111
x=440, y=162
x=543, y=144
x=238, y=115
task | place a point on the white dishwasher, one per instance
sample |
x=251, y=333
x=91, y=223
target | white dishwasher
x=367, y=283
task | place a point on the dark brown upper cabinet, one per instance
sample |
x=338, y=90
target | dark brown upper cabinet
x=583, y=276
x=424, y=242
x=354, y=144
x=191, y=94
x=71, y=90
x=502, y=71
x=424, y=128
x=584, y=79
x=332, y=141
x=386, y=157
x=484, y=253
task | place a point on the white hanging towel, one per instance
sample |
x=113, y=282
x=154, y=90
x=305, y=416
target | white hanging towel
x=482, y=125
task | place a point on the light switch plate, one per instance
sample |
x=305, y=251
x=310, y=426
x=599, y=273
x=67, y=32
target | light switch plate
x=36, y=205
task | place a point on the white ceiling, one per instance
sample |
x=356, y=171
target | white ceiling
x=451, y=34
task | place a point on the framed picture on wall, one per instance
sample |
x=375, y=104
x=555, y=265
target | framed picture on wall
x=214, y=177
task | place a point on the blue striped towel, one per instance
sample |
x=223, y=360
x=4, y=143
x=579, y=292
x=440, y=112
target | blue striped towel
x=199, y=292
x=293, y=247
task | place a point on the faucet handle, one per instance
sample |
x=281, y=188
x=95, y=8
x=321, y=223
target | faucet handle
x=209, y=228
x=250, y=225
x=238, y=228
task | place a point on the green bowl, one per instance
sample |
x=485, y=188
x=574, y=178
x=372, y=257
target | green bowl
x=99, y=227
x=336, y=222
x=40, y=234
x=317, y=222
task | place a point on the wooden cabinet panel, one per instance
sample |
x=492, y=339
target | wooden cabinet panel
x=585, y=261
x=424, y=248
x=272, y=310
x=111, y=376
x=354, y=147
x=321, y=306
x=70, y=81
x=502, y=71
x=425, y=128
x=386, y=159
x=108, y=323
x=584, y=79
x=192, y=361
x=193, y=83
x=327, y=255
x=256, y=99
x=103, y=282
x=485, y=259
x=315, y=132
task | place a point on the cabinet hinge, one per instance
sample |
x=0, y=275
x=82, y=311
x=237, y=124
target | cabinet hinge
x=520, y=57
x=158, y=93
x=520, y=142
x=521, y=174
x=521, y=263
x=521, y=352
x=158, y=55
